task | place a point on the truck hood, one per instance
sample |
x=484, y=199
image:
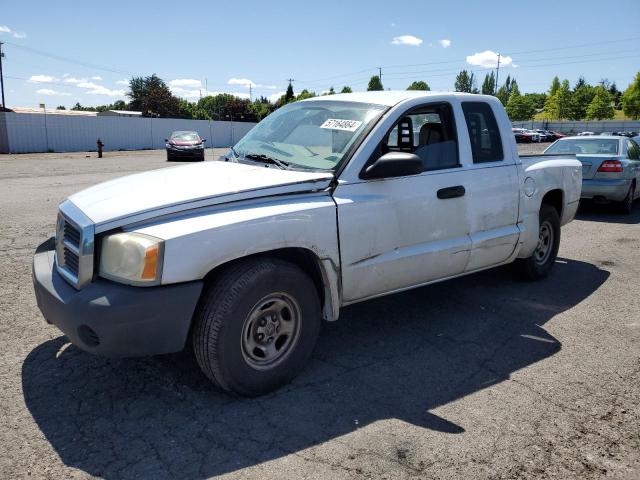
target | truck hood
x=146, y=195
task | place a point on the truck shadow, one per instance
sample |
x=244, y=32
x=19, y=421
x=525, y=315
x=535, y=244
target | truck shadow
x=396, y=357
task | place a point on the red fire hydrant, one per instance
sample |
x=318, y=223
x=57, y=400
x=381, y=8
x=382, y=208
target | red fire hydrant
x=100, y=145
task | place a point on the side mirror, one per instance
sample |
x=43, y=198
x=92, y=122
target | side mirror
x=394, y=164
x=204, y=140
x=166, y=140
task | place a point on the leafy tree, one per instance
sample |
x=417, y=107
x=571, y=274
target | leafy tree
x=616, y=95
x=226, y=107
x=289, y=96
x=262, y=107
x=581, y=97
x=375, y=84
x=489, y=84
x=346, y=90
x=152, y=97
x=330, y=92
x=631, y=99
x=306, y=94
x=504, y=92
x=419, y=85
x=601, y=106
x=80, y=108
x=555, y=85
x=465, y=82
x=61, y=107
x=558, y=104
x=519, y=107
x=536, y=99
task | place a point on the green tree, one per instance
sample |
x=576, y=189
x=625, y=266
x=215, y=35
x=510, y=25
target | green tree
x=305, y=94
x=226, y=107
x=536, y=99
x=419, y=85
x=465, y=82
x=375, y=84
x=289, y=96
x=61, y=107
x=558, y=104
x=330, y=92
x=152, y=97
x=489, y=84
x=631, y=99
x=519, y=107
x=581, y=97
x=346, y=90
x=504, y=92
x=555, y=85
x=601, y=107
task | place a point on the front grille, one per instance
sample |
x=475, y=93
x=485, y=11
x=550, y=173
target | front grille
x=71, y=234
x=74, y=245
x=71, y=261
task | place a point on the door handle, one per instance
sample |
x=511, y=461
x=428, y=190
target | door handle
x=451, y=192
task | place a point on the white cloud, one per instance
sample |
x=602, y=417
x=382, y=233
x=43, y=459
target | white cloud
x=74, y=80
x=97, y=77
x=95, y=89
x=185, y=82
x=185, y=92
x=488, y=59
x=42, y=79
x=274, y=97
x=122, y=82
x=245, y=82
x=407, y=40
x=5, y=29
x=445, y=43
x=48, y=91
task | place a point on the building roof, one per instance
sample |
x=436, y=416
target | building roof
x=52, y=111
x=129, y=113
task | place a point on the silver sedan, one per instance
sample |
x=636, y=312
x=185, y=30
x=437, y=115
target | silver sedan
x=610, y=167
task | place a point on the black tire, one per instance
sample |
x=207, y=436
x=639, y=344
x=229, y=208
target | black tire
x=626, y=206
x=169, y=157
x=223, y=321
x=539, y=266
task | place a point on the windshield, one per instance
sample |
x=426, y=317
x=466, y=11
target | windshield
x=185, y=136
x=591, y=146
x=314, y=135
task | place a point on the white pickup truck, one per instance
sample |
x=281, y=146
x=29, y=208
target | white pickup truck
x=327, y=202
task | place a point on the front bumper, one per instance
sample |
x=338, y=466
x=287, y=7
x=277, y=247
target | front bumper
x=114, y=320
x=608, y=189
x=186, y=153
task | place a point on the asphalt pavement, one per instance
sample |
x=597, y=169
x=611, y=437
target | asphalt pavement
x=484, y=376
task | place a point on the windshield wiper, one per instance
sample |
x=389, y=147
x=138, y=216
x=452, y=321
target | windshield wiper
x=266, y=159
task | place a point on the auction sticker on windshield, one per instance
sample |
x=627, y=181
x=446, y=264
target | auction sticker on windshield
x=341, y=124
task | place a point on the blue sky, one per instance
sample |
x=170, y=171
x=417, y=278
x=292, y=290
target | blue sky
x=319, y=44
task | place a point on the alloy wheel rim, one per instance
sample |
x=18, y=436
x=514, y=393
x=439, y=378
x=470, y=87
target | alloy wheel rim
x=271, y=331
x=545, y=243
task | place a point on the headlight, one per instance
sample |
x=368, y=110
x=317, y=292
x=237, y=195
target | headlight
x=132, y=258
x=200, y=145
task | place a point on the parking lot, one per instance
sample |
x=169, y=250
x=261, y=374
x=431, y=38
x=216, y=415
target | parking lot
x=479, y=377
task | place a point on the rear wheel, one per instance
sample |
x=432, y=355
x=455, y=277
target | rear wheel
x=169, y=157
x=627, y=204
x=256, y=326
x=539, y=264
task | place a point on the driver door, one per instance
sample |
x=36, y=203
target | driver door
x=397, y=233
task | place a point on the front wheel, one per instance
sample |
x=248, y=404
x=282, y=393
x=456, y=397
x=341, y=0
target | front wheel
x=256, y=326
x=540, y=264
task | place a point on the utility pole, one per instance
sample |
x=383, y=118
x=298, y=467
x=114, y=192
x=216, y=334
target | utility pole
x=380, y=75
x=4, y=105
x=497, y=72
x=250, y=94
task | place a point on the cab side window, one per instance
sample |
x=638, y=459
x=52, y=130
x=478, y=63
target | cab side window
x=486, y=144
x=429, y=132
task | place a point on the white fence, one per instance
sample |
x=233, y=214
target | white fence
x=578, y=126
x=35, y=132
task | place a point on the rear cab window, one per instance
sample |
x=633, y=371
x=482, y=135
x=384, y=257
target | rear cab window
x=484, y=134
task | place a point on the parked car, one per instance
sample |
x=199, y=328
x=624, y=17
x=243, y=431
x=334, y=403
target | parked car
x=327, y=202
x=185, y=145
x=585, y=134
x=553, y=136
x=522, y=135
x=610, y=167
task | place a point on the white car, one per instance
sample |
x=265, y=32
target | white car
x=327, y=202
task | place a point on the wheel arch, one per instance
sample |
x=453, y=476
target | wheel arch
x=322, y=272
x=555, y=199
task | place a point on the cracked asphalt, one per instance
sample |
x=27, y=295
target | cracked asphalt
x=479, y=377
